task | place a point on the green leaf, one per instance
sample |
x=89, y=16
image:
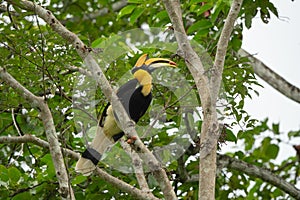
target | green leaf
x=264, y=15
x=199, y=25
x=195, y=2
x=236, y=43
x=272, y=151
x=254, y=189
x=292, y=134
x=162, y=14
x=217, y=10
x=234, y=181
x=22, y=196
x=248, y=20
x=96, y=43
x=273, y=9
x=230, y=136
x=126, y=11
x=136, y=14
x=79, y=179
x=47, y=159
x=275, y=128
x=14, y=174
x=3, y=174
x=204, y=8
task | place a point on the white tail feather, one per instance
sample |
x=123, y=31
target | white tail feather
x=100, y=143
x=85, y=166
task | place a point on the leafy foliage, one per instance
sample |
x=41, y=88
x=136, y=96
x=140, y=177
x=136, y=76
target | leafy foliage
x=38, y=58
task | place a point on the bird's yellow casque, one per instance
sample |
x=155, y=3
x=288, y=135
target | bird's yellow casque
x=135, y=96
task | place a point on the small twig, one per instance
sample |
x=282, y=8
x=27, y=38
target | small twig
x=138, y=167
x=21, y=190
x=79, y=69
x=19, y=132
x=14, y=122
x=11, y=19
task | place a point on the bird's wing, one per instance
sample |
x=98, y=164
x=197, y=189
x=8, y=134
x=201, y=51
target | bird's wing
x=125, y=92
x=139, y=104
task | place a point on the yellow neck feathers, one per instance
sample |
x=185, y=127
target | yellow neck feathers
x=145, y=79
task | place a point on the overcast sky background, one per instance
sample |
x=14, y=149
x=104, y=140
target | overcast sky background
x=277, y=44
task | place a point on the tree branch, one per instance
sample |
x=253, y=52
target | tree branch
x=222, y=47
x=137, y=165
x=107, y=177
x=126, y=124
x=57, y=157
x=272, y=78
x=208, y=91
x=186, y=51
x=79, y=69
x=208, y=142
x=34, y=140
x=252, y=170
x=225, y=161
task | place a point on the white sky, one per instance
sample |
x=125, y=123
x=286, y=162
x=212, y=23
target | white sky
x=277, y=44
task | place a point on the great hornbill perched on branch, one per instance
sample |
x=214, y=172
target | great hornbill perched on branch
x=135, y=96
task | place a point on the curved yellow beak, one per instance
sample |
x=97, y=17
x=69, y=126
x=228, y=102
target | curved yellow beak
x=150, y=64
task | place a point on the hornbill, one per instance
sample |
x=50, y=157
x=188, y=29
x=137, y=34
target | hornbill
x=135, y=96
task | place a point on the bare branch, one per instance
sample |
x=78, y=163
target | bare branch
x=26, y=139
x=124, y=186
x=17, y=128
x=139, y=172
x=255, y=171
x=225, y=161
x=222, y=47
x=137, y=165
x=272, y=78
x=57, y=157
x=186, y=51
x=80, y=70
x=14, y=121
x=126, y=124
x=107, y=177
x=208, y=141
